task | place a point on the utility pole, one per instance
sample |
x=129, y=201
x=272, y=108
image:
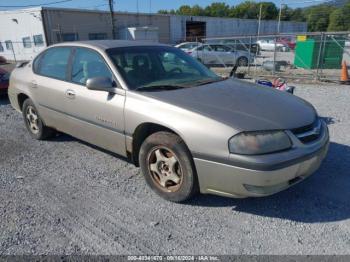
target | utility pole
x=111, y=10
x=258, y=35
x=259, y=23
x=279, y=19
x=137, y=13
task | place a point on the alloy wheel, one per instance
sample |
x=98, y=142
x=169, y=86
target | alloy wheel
x=165, y=169
x=32, y=120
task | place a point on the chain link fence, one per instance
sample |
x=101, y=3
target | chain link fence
x=300, y=57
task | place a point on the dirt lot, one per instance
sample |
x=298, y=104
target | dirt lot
x=64, y=197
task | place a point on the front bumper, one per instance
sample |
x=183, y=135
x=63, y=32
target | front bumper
x=236, y=181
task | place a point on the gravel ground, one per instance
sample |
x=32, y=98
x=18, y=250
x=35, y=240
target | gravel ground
x=67, y=197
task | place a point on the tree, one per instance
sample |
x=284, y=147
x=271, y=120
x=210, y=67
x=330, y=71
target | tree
x=217, y=10
x=184, y=10
x=247, y=10
x=290, y=14
x=251, y=10
x=269, y=10
x=196, y=10
x=334, y=16
x=317, y=17
x=339, y=19
x=298, y=15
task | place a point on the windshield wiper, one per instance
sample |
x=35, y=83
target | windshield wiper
x=207, y=81
x=159, y=87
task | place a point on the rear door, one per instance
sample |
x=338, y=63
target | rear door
x=49, y=84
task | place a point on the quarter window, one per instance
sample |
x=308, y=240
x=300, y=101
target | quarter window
x=88, y=64
x=38, y=40
x=1, y=47
x=54, y=62
x=26, y=42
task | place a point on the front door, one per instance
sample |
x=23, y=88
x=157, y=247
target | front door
x=94, y=116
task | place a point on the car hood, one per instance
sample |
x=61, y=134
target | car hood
x=241, y=105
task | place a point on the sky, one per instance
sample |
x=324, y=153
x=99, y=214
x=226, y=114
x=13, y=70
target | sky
x=144, y=6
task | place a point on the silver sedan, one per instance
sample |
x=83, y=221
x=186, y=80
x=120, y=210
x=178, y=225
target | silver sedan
x=188, y=129
x=221, y=55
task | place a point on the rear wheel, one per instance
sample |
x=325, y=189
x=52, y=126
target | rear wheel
x=242, y=61
x=167, y=166
x=34, y=123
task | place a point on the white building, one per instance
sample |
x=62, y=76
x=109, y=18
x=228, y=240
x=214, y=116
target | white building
x=25, y=32
x=21, y=34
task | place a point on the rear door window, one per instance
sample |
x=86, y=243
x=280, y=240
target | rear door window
x=54, y=63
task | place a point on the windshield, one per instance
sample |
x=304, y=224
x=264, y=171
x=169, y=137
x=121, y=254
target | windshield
x=156, y=66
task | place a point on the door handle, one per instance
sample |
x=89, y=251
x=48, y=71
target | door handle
x=70, y=94
x=33, y=84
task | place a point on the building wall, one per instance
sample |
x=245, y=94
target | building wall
x=124, y=20
x=64, y=21
x=14, y=25
x=226, y=27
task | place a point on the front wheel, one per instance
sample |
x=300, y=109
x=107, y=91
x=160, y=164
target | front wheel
x=34, y=123
x=168, y=167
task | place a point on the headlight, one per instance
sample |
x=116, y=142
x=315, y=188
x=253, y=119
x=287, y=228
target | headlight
x=257, y=143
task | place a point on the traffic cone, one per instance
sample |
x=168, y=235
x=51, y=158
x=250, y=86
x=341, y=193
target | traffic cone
x=344, y=78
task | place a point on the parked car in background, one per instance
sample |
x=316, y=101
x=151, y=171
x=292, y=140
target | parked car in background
x=270, y=45
x=238, y=45
x=4, y=81
x=287, y=42
x=187, y=46
x=218, y=54
x=187, y=128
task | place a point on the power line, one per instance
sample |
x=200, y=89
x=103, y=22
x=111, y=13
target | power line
x=23, y=6
x=94, y=6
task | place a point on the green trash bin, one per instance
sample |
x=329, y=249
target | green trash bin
x=307, y=52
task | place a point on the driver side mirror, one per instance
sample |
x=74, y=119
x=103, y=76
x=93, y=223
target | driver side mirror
x=100, y=84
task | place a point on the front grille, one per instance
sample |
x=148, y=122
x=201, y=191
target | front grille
x=310, y=133
x=303, y=129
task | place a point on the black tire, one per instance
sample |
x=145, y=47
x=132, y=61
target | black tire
x=41, y=131
x=175, y=146
x=242, y=61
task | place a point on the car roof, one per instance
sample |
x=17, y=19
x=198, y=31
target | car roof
x=107, y=44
